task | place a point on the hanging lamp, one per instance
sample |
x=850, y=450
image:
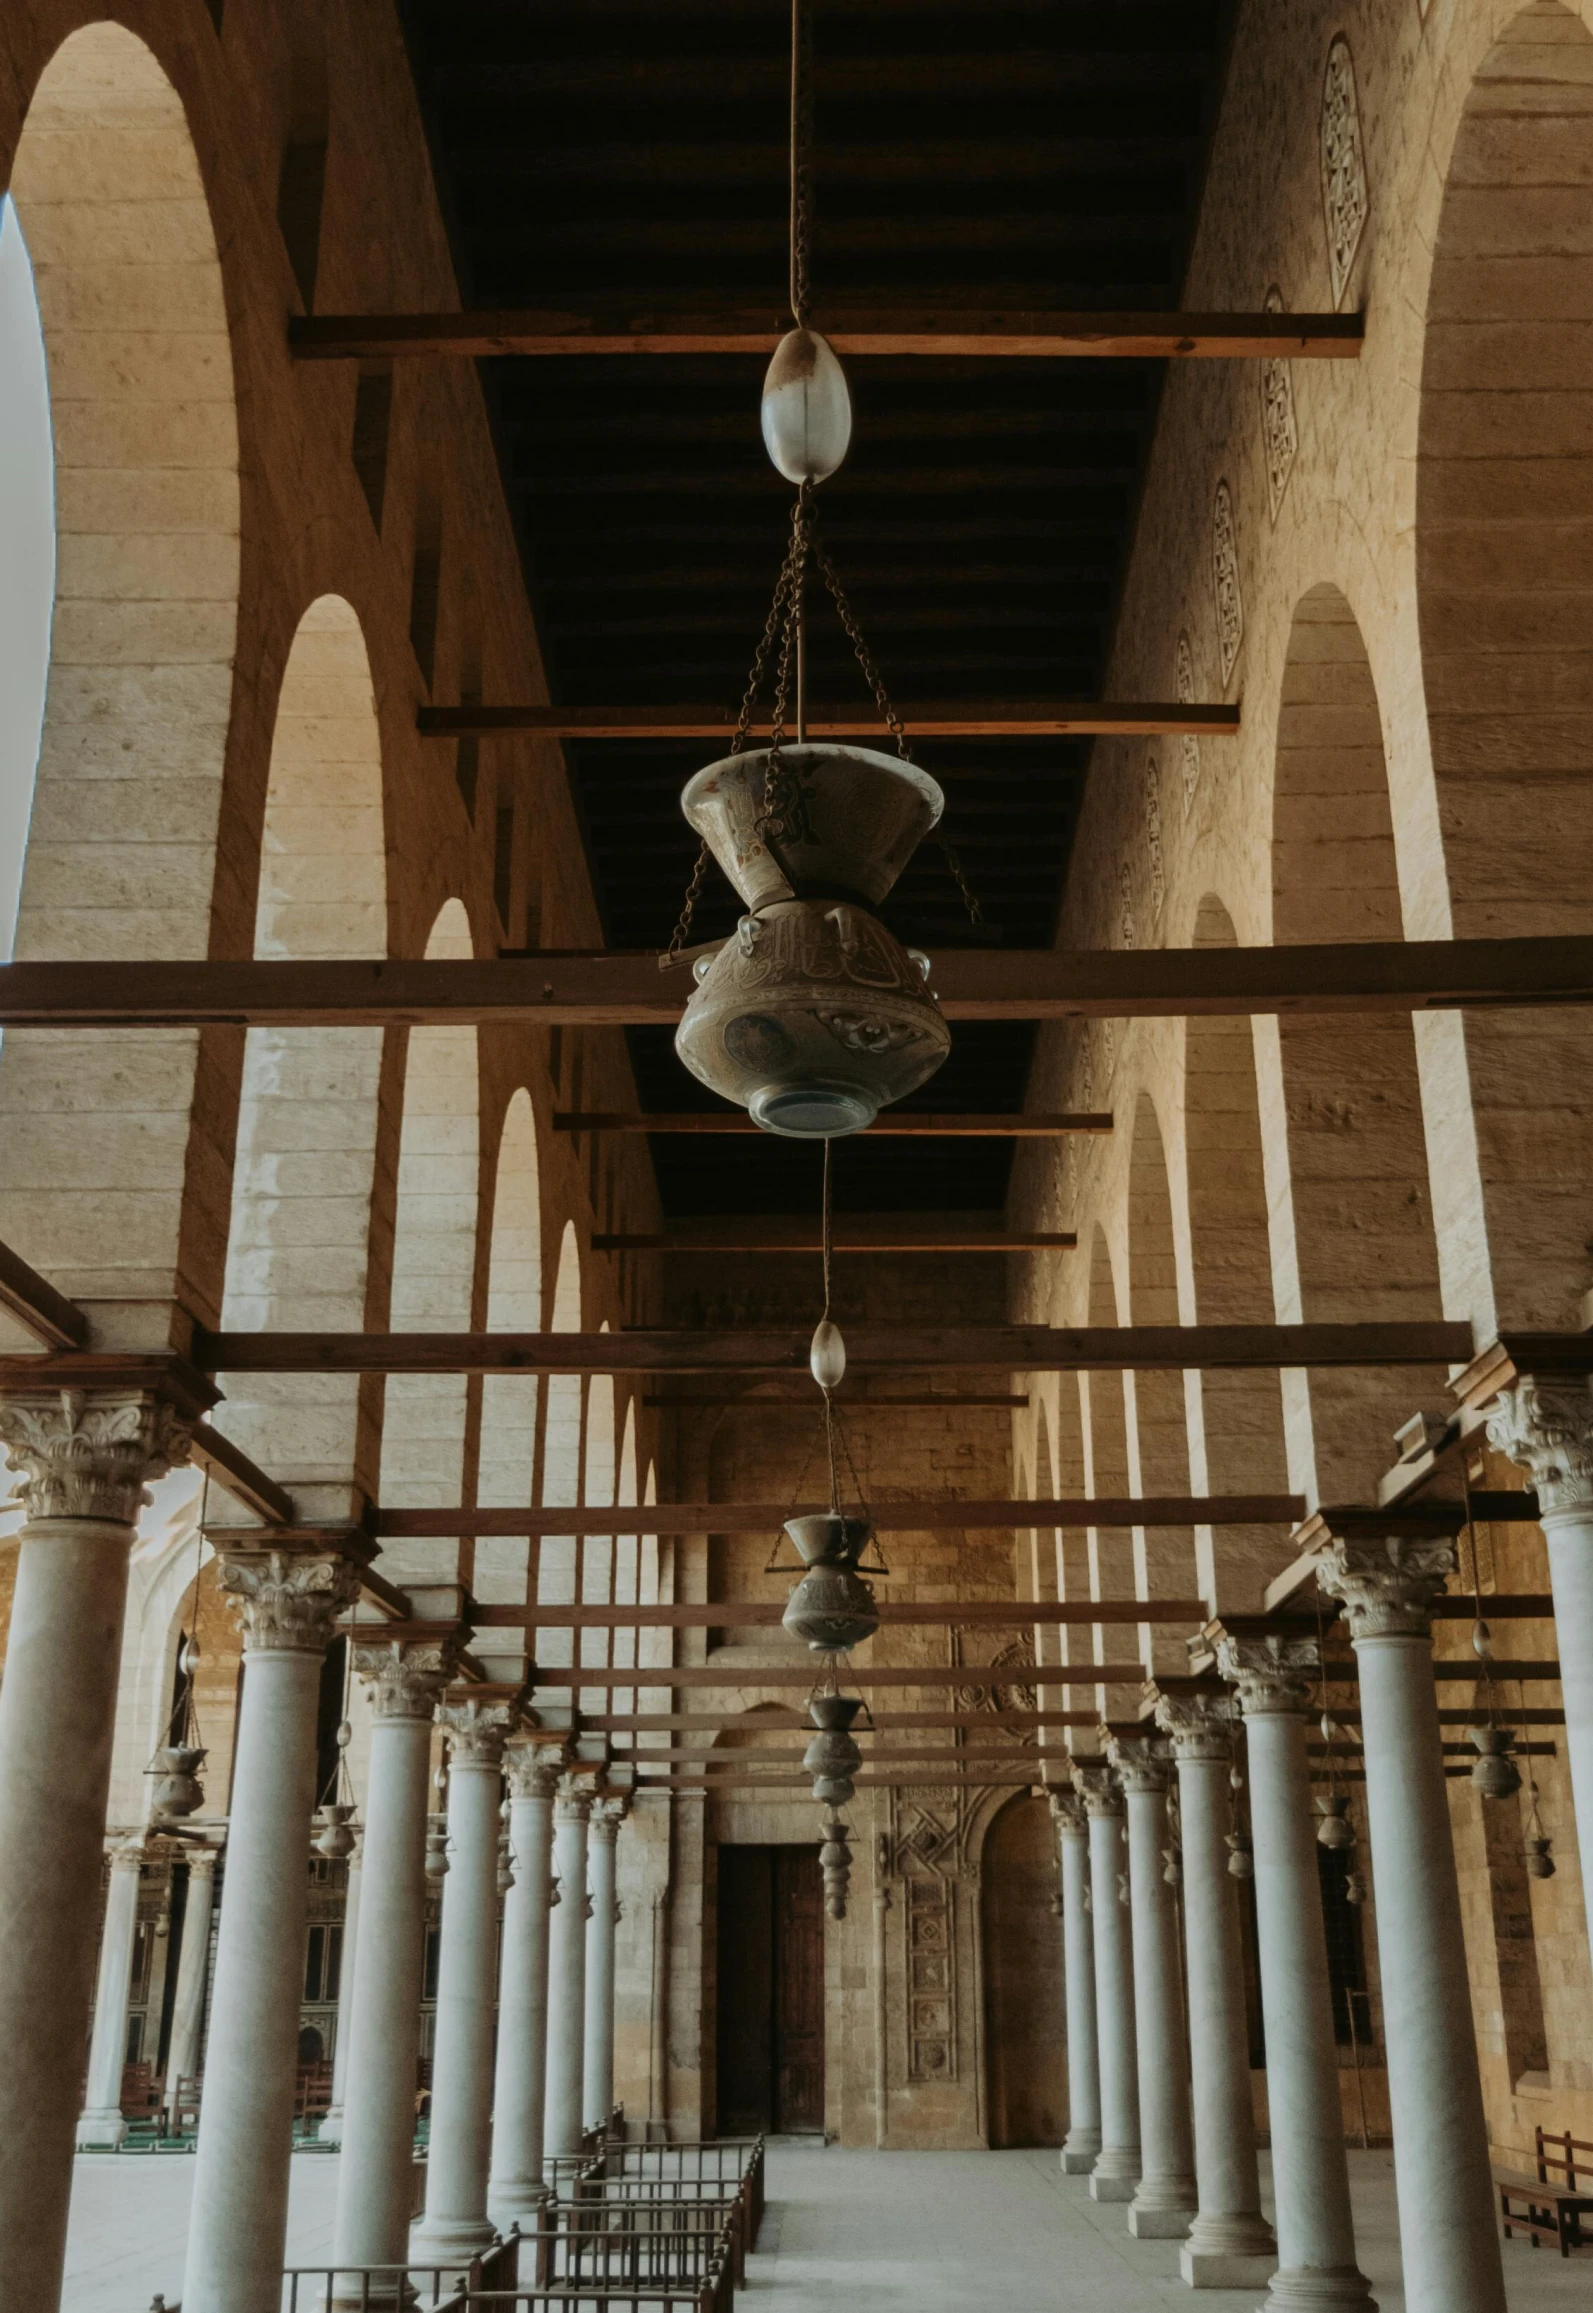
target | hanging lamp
x=812, y=1016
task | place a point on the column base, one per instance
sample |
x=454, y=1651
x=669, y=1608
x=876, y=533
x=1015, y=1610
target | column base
x=1228, y=2250
x=331, y=2128
x=1319, y=2289
x=1115, y=2176
x=1080, y=2150
x=1161, y=2212
x=100, y=2129
x=518, y=2203
x=1210, y=2269
x=442, y=2240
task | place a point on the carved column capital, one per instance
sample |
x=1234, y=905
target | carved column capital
x=532, y=1769
x=1547, y=1427
x=93, y=1453
x=1272, y=1675
x=1387, y=1585
x=288, y=1600
x=1100, y=1791
x=608, y=1813
x=1144, y=1763
x=203, y=1861
x=1201, y=1726
x=574, y=1801
x=476, y=1730
x=406, y=1677
x=1067, y=1812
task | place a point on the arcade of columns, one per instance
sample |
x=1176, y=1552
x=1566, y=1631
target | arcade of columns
x=1366, y=556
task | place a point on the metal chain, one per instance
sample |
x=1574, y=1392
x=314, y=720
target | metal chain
x=682, y=931
x=785, y=810
x=865, y=657
x=801, y=145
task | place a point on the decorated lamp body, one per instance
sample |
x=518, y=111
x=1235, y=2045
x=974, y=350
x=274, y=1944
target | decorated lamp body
x=812, y=1016
x=832, y=1607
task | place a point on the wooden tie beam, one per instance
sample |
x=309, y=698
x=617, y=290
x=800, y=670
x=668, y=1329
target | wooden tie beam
x=1047, y=1676
x=765, y=1613
x=755, y=331
x=608, y=990
x=891, y=1124
x=878, y=1348
x=939, y=719
x=921, y=1517
x=780, y=1233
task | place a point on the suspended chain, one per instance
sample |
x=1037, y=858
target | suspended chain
x=801, y=146
x=893, y=722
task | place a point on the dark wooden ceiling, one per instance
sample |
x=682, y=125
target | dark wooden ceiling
x=974, y=153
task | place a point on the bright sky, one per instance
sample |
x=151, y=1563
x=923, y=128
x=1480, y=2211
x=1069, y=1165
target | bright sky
x=27, y=554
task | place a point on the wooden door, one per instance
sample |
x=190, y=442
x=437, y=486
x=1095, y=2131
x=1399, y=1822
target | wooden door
x=771, y=1990
x=1024, y=2039
x=798, y=1892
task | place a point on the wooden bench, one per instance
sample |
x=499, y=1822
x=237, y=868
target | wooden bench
x=1541, y=2207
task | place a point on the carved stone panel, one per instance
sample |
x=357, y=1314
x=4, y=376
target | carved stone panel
x=1279, y=433
x=1225, y=579
x=1153, y=835
x=1344, y=191
x=1184, y=686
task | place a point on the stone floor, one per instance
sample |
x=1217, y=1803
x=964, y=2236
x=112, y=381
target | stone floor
x=901, y=2232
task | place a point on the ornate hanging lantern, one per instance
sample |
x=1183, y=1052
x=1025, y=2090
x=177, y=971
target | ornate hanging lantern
x=832, y=1758
x=1334, y=1829
x=835, y=1861
x=174, y=1774
x=1495, y=1773
x=335, y=1839
x=832, y=1608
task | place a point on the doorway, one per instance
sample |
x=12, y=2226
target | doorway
x=771, y=1990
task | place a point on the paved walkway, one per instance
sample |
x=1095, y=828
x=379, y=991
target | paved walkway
x=897, y=2232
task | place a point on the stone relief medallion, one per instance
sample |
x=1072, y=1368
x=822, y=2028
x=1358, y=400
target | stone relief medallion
x=1344, y=194
x=1184, y=688
x=1225, y=580
x=1125, y=895
x=1279, y=434
x=1153, y=834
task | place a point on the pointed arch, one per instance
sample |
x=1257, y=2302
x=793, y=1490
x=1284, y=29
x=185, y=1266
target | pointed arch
x=506, y=1467
x=1158, y=1434
x=561, y=1455
x=425, y=1427
x=121, y=860
x=298, y=1247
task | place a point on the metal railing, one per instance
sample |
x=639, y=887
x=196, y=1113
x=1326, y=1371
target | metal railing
x=399, y=2288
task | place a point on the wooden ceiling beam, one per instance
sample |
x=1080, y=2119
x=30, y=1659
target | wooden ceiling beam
x=36, y=1305
x=891, y=1124
x=941, y=1515
x=1046, y=1678
x=626, y=988
x=849, y=1234
x=974, y=720
x=784, y=1397
x=755, y=332
x=777, y=1719
x=765, y=1613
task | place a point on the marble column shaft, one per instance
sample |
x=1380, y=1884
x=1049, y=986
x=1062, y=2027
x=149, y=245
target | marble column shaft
x=1230, y=2245
x=1310, y=2174
x=567, y=1975
x=331, y=2128
x=85, y=1458
x=193, y=1969
x=1547, y=1426
x=381, y=2028
x=288, y=1599
x=101, y=2122
x=456, y=2223
x=515, y=2187
x=1116, y=2170
x=1083, y=2145
x=1164, y=2200
x=1441, y=2161
x=597, y=2063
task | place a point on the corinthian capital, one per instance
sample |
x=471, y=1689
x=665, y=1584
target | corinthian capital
x=532, y=1769
x=1201, y=1726
x=476, y=1730
x=92, y=1453
x=406, y=1676
x=574, y=1801
x=1099, y=1789
x=1067, y=1812
x=288, y=1600
x=1387, y=1585
x=1272, y=1675
x=1143, y=1762
x=607, y=1816
x=1547, y=1427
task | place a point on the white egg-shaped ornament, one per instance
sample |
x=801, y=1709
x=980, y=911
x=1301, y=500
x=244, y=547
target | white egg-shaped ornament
x=807, y=410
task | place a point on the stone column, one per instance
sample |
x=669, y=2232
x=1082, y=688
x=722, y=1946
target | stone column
x=289, y=1596
x=456, y=2223
x=1083, y=2145
x=1547, y=1426
x=1165, y=2199
x=515, y=2188
x=1116, y=2170
x=1441, y=2160
x=567, y=1973
x=193, y=1968
x=101, y=2124
x=331, y=2128
x=85, y=1457
x=597, y=2068
x=1230, y=2244
x=1310, y=2175
x=404, y=1678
